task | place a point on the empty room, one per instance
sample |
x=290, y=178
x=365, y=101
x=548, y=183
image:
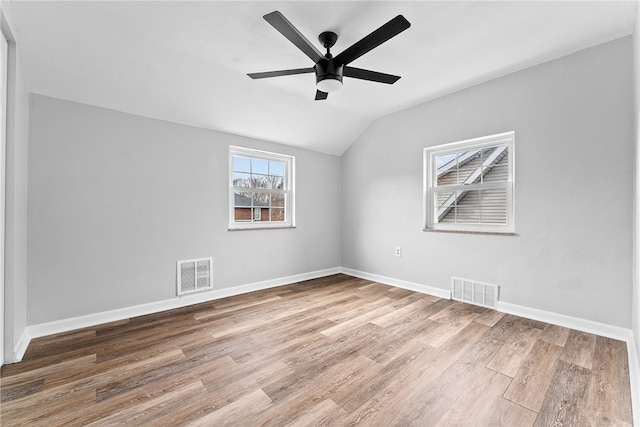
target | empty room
x=306, y=213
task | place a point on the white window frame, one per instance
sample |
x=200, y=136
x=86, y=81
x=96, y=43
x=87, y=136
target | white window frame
x=288, y=191
x=430, y=178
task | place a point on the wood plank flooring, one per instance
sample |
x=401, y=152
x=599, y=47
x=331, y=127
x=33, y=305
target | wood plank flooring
x=336, y=351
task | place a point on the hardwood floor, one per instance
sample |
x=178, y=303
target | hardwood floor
x=336, y=351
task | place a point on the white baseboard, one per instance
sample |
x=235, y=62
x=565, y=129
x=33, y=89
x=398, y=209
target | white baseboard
x=602, y=329
x=430, y=290
x=634, y=379
x=21, y=346
x=65, y=325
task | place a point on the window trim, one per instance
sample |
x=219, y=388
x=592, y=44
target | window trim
x=289, y=191
x=430, y=175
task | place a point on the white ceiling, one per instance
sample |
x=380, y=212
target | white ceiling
x=186, y=62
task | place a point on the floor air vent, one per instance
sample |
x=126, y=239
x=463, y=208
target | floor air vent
x=474, y=292
x=194, y=275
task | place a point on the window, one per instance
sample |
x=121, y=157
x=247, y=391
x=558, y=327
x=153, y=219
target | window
x=469, y=185
x=260, y=189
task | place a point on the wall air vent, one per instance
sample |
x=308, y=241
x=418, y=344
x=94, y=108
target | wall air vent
x=474, y=292
x=194, y=275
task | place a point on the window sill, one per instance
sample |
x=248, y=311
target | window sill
x=284, y=227
x=490, y=233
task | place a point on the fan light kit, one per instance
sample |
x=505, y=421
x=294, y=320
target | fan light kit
x=329, y=83
x=329, y=70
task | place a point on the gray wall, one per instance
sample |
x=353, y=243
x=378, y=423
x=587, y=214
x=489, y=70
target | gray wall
x=15, y=269
x=574, y=161
x=115, y=200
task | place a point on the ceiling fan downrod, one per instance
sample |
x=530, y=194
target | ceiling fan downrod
x=328, y=39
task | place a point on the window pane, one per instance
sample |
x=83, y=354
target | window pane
x=242, y=199
x=468, y=198
x=444, y=201
x=277, y=214
x=497, y=173
x=469, y=164
x=473, y=166
x=242, y=207
x=260, y=166
x=276, y=182
x=241, y=179
x=241, y=164
x=261, y=199
x=259, y=181
x=276, y=168
x=277, y=200
x=494, y=206
x=468, y=214
x=447, y=176
x=450, y=216
x=472, y=207
x=446, y=165
x=498, y=169
x=467, y=208
x=445, y=161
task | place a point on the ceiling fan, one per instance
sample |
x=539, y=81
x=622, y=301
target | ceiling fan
x=329, y=69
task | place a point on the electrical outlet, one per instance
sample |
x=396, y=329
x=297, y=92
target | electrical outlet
x=398, y=251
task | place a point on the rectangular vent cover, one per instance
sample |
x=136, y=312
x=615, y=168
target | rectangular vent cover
x=474, y=292
x=194, y=275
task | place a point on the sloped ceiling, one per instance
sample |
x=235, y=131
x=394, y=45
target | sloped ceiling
x=186, y=62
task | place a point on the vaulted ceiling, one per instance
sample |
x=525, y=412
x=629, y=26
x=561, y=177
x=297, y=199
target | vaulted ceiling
x=187, y=62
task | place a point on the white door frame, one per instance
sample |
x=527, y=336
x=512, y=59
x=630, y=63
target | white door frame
x=4, y=46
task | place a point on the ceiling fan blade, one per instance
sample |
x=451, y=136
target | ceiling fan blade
x=374, y=76
x=279, y=73
x=286, y=28
x=321, y=95
x=375, y=39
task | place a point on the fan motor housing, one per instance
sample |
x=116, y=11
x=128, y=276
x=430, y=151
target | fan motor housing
x=328, y=69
